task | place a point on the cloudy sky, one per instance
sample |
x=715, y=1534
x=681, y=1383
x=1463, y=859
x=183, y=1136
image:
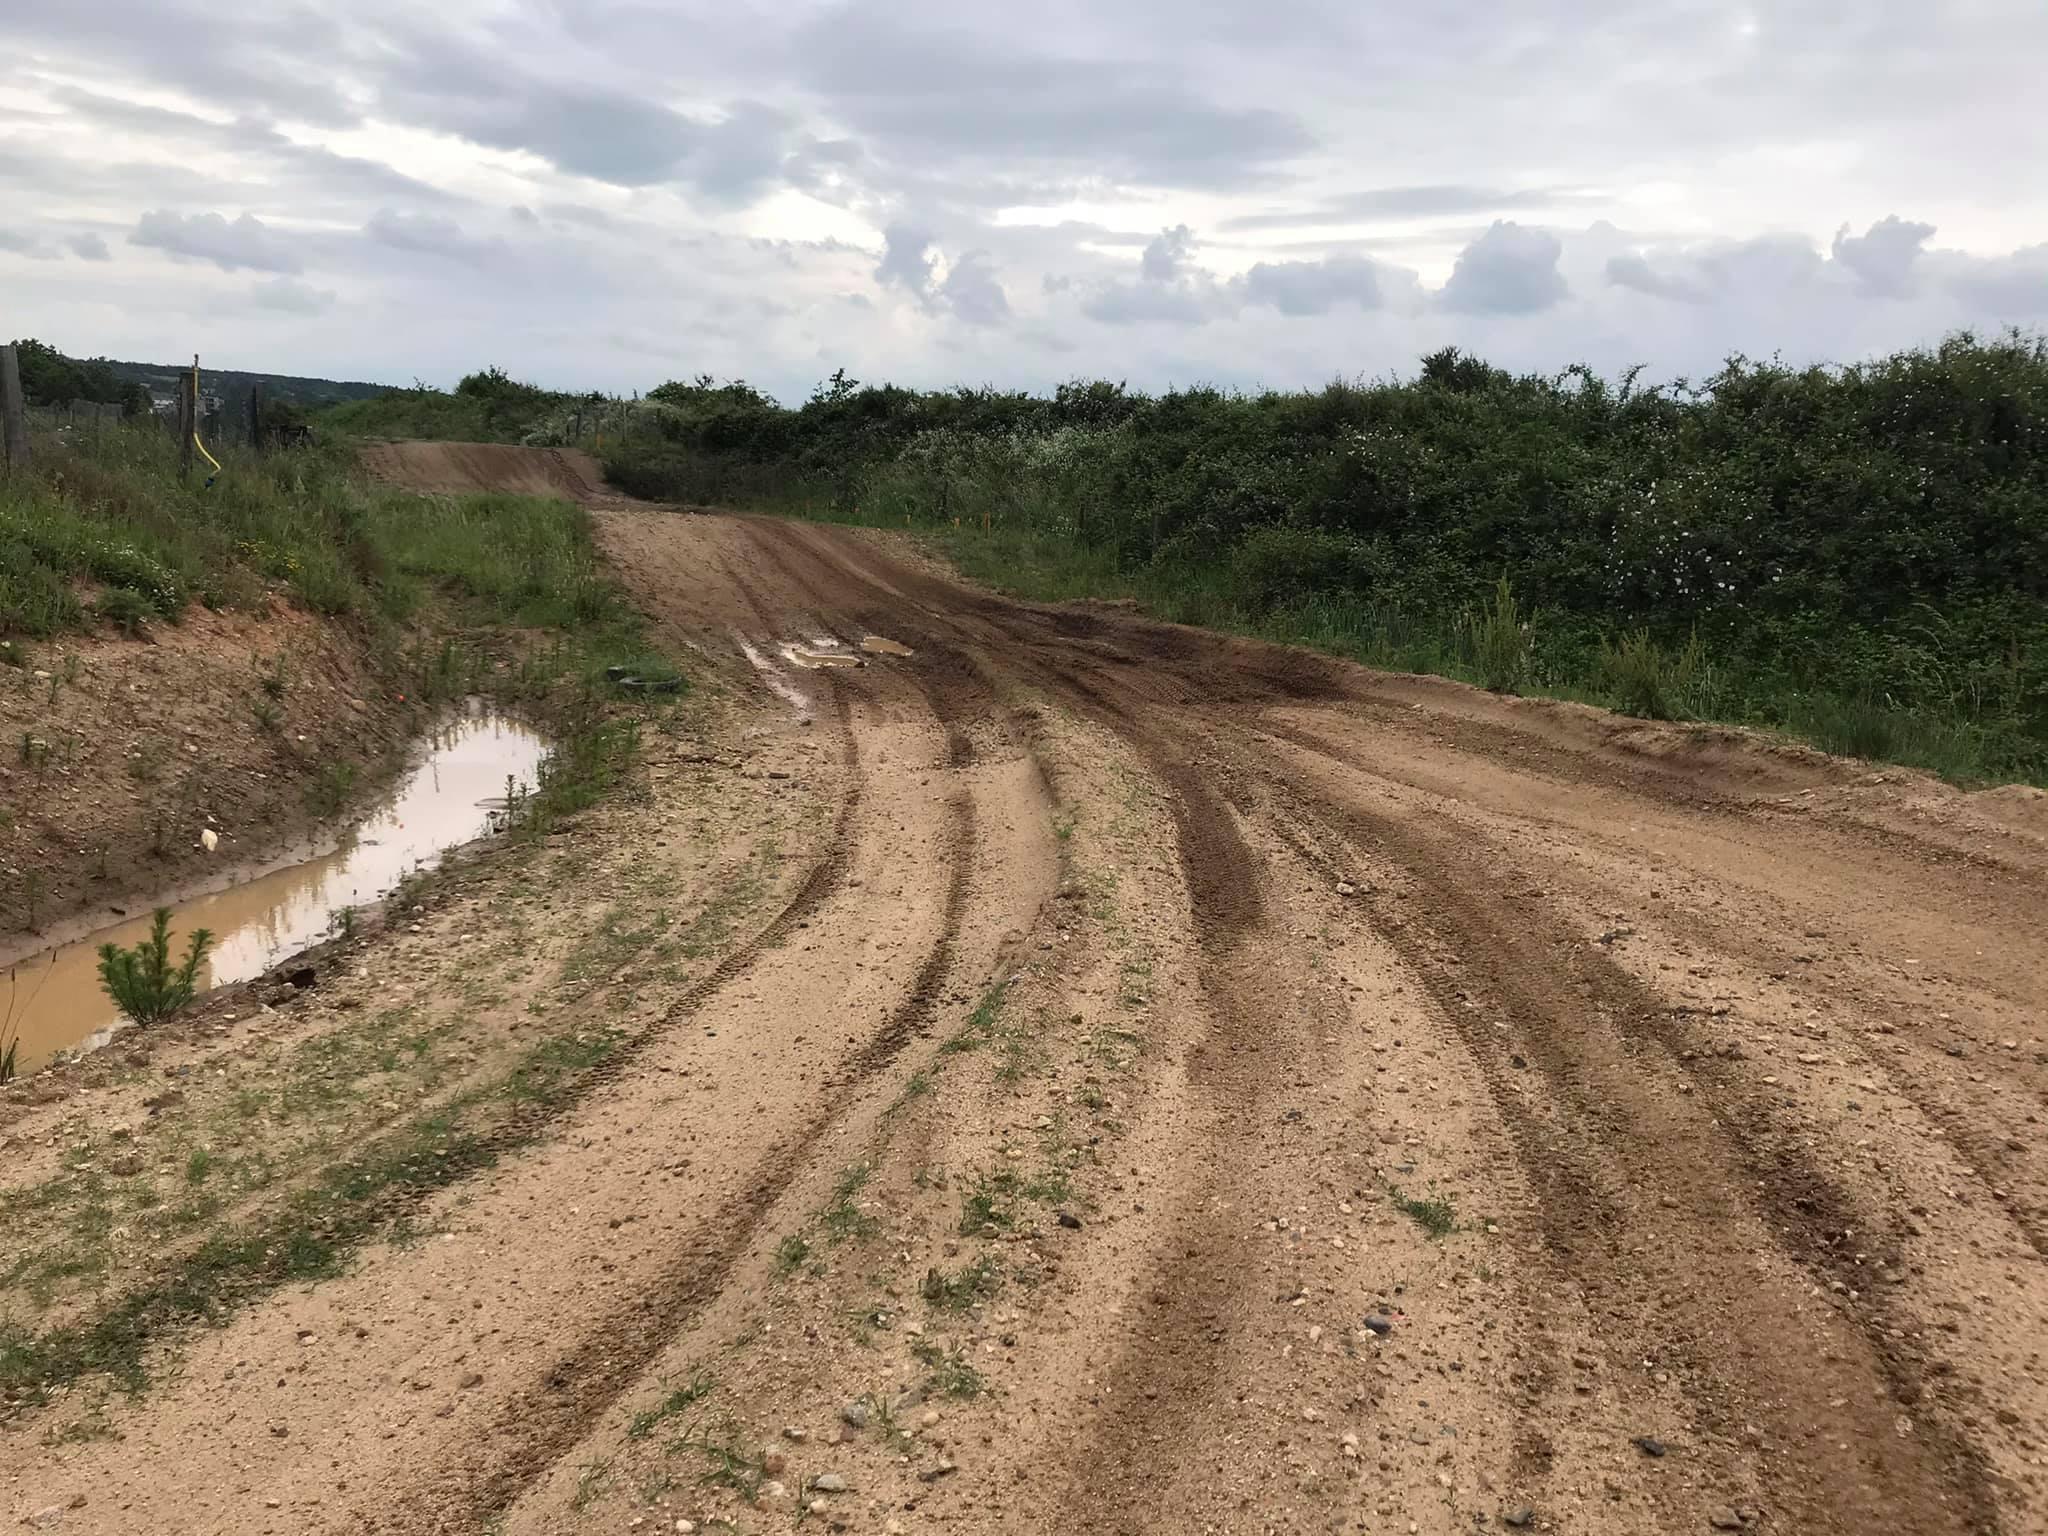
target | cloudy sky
x=607, y=193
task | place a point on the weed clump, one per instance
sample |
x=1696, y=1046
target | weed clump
x=1497, y=641
x=1649, y=681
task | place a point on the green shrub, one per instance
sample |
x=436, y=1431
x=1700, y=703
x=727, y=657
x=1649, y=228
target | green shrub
x=1279, y=565
x=1497, y=642
x=1649, y=681
x=143, y=982
x=127, y=610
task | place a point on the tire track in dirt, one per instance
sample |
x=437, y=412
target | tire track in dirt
x=541, y=1426
x=1993, y=1163
x=1480, y=955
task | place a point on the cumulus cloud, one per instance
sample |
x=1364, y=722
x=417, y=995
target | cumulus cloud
x=1509, y=270
x=1169, y=287
x=89, y=247
x=247, y=243
x=907, y=260
x=1883, y=257
x=969, y=290
x=972, y=291
x=1314, y=287
x=1166, y=258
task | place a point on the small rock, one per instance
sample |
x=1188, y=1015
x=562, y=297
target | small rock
x=1346, y=888
x=930, y=1418
x=1069, y=1220
x=1380, y=1325
x=771, y=1493
x=47, y=1516
x=855, y=1414
x=686, y=1528
x=1519, y=1517
x=1724, y=1519
x=933, y=1474
x=831, y=1482
x=794, y=1435
x=473, y=1379
x=773, y=1462
x=1649, y=1445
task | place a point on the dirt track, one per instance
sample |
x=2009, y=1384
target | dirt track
x=1131, y=1002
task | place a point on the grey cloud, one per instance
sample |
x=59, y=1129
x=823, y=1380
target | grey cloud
x=26, y=245
x=268, y=59
x=1766, y=264
x=971, y=289
x=1883, y=257
x=1166, y=258
x=1509, y=270
x=89, y=247
x=928, y=92
x=1137, y=303
x=291, y=296
x=246, y=243
x=906, y=261
x=1382, y=203
x=1314, y=287
x=2013, y=287
x=973, y=293
x=428, y=234
x=606, y=134
x=1168, y=287
x=1634, y=271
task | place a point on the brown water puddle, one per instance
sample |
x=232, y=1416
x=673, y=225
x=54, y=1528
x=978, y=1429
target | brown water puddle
x=881, y=645
x=454, y=793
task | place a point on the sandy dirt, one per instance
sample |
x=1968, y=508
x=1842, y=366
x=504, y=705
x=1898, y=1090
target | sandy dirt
x=1158, y=1083
x=120, y=752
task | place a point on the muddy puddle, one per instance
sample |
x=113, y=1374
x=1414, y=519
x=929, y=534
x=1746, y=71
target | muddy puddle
x=454, y=792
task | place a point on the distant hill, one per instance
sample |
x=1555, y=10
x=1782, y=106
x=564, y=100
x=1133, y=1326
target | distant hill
x=160, y=379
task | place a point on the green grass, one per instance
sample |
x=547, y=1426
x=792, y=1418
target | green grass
x=955, y=1291
x=110, y=513
x=951, y=1373
x=678, y=1399
x=1435, y=1215
x=843, y=1219
x=790, y=1253
x=308, y=1236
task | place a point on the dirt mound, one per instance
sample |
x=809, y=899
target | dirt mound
x=455, y=469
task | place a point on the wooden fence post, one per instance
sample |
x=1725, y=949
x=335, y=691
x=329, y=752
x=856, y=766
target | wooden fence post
x=13, y=410
x=188, y=422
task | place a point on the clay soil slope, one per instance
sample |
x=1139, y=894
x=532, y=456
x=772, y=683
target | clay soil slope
x=1185, y=1085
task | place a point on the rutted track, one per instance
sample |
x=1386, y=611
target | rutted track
x=1713, y=1180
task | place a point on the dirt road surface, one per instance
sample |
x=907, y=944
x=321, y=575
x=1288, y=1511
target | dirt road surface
x=1175, y=1084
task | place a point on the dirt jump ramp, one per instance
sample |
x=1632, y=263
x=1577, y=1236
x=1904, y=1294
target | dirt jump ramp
x=457, y=469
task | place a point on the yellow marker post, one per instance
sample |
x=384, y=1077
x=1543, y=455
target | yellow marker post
x=196, y=443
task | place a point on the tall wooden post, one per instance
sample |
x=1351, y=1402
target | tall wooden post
x=13, y=410
x=188, y=422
